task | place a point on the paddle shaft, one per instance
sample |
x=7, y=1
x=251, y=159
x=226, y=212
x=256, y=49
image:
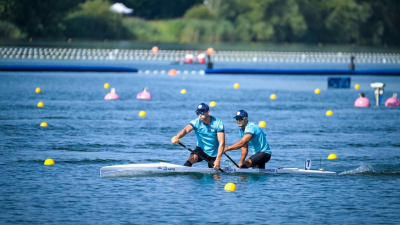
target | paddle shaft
x=212, y=164
x=231, y=160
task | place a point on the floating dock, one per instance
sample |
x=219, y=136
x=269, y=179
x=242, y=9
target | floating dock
x=59, y=68
x=386, y=72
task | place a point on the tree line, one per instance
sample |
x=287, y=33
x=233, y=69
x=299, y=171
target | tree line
x=364, y=22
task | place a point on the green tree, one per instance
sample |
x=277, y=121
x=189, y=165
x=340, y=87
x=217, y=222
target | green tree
x=309, y=21
x=9, y=30
x=383, y=26
x=268, y=20
x=160, y=9
x=345, y=19
x=314, y=14
x=142, y=30
x=200, y=12
x=94, y=19
x=37, y=18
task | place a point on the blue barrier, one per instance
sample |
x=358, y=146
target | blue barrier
x=390, y=72
x=339, y=82
x=56, y=68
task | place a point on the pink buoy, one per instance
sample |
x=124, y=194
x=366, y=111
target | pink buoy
x=144, y=95
x=362, y=101
x=112, y=95
x=393, y=101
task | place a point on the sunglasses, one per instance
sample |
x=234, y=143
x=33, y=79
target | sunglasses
x=200, y=112
x=239, y=119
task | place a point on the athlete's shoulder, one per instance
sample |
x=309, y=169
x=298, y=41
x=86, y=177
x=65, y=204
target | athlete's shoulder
x=217, y=123
x=215, y=119
x=253, y=125
x=195, y=122
x=250, y=127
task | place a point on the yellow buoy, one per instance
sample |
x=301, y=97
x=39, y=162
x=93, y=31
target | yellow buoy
x=356, y=86
x=262, y=124
x=273, y=96
x=183, y=91
x=142, y=113
x=43, y=124
x=40, y=104
x=106, y=85
x=236, y=86
x=317, y=91
x=329, y=113
x=38, y=90
x=212, y=104
x=230, y=187
x=332, y=156
x=49, y=162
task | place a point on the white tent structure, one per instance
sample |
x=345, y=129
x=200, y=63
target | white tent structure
x=121, y=8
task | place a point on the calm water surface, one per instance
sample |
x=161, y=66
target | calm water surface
x=86, y=133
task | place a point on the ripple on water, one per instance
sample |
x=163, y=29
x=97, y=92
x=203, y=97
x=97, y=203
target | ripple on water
x=365, y=169
x=86, y=133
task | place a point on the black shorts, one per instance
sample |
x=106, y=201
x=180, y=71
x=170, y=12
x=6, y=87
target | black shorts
x=258, y=160
x=200, y=151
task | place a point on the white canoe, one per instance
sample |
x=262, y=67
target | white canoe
x=141, y=169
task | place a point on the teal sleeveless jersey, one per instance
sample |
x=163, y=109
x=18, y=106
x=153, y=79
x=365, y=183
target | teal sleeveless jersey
x=207, y=135
x=258, y=142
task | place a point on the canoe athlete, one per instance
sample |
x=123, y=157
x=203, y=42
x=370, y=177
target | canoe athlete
x=189, y=57
x=210, y=135
x=201, y=57
x=251, y=136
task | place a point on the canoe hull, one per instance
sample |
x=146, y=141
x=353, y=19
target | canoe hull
x=141, y=169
